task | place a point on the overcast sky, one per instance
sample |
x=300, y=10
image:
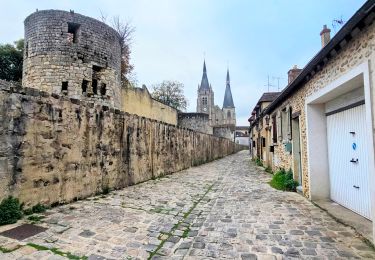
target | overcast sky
x=255, y=38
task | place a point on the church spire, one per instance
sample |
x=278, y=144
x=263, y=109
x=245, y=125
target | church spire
x=228, y=99
x=204, y=83
x=228, y=80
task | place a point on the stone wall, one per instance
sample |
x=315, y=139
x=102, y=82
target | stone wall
x=138, y=101
x=359, y=50
x=72, y=49
x=224, y=131
x=199, y=122
x=55, y=149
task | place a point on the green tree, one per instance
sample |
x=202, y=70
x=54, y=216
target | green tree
x=11, y=59
x=170, y=93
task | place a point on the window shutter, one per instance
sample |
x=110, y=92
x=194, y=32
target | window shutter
x=289, y=122
x=279, y=128
x=274, y=129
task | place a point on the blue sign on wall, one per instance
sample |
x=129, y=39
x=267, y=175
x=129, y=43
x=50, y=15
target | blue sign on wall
x=354, y=146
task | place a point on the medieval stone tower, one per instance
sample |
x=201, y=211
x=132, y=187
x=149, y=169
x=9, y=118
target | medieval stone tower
x=71, y=54
x=206, y=103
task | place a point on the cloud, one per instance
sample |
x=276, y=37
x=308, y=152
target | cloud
x=256, y=38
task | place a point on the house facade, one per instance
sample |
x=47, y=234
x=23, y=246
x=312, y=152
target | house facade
x=241, y=135
x=260, y=130
x=322, y=123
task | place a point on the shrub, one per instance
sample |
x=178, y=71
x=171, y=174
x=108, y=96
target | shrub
x=10, y=211
x=35, y=218
x=283, y=180
x=38, y=208
x=258, y=162
x=27, y=211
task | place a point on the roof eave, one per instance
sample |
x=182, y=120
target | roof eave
x=321, y=58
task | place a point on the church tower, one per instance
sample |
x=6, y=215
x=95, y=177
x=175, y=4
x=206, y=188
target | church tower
x=205, y=101
x=228, y=105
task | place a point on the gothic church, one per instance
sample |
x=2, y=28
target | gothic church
x=210, y=118
x=206, y=102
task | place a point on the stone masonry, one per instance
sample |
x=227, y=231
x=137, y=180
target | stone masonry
x=359, y=50
x=72, y=54
x=223, y=210
x=55, y=149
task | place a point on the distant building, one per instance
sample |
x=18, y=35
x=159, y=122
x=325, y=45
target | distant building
x=259, y=127
x=219, y=121
x=241, y=135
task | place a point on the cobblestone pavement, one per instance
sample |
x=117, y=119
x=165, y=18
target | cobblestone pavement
x=224, y=209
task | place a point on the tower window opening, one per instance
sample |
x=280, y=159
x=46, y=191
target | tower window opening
x=73, y=29
x=95, y=86
x=204, y=101
x=27, y=50
x=229, y=115
x=64, y=87
x=103, y=89
x=85, y=83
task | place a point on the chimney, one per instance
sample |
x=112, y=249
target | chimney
x=293, y=73
x=325, y=35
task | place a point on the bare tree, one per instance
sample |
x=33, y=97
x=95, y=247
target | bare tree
x=125, y=31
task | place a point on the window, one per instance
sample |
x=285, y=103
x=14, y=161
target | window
x=96, y=75
x=85, y=83
x=204, y=101
x=27, y=50
x=95, y=86
x=228, y=115
x=274, y=129
x=263, y=142
x=96, y=68
x=73, y=32
x=286, y=129
x=103, y=89
x=64, y=87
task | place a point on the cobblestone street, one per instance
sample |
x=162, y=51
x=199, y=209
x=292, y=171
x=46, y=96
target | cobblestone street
x=224, y=209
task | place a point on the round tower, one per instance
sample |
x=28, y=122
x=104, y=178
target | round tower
x=71, y=54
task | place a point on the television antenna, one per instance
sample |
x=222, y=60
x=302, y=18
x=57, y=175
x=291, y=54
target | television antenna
x=337, y=23
x=268, y=84
x=278, y=82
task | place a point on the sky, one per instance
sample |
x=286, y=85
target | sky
x=254, y=39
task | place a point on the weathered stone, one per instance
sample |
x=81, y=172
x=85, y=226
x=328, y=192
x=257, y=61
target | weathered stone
x=86, y=233
x=292, y=252
x=248, y=256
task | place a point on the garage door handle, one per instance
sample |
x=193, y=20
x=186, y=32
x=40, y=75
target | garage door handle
x=357, y=187
x=354, y=161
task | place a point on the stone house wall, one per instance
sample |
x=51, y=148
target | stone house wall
x=138, y=101
x=55, y=149
x=357, y=51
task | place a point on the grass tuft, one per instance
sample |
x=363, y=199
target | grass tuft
x=283, y=180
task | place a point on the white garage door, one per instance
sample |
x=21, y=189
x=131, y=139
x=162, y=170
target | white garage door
x=348, y=160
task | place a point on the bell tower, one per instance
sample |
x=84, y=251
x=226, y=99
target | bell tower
x=205, y=100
